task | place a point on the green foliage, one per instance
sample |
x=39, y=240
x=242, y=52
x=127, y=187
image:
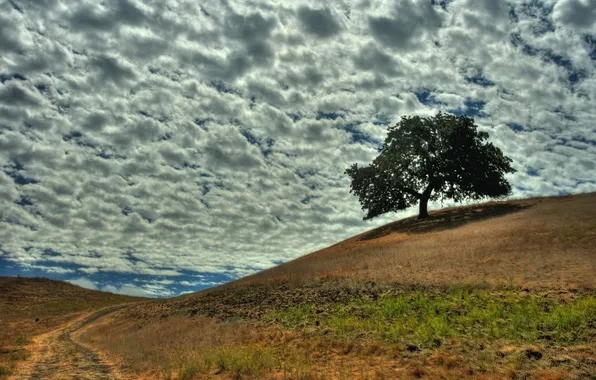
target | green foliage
x=426, y=158
x=427, y=320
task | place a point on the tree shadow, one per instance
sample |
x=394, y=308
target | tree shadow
x=445, y=219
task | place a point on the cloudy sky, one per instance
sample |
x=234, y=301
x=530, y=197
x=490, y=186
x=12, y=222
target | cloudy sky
x=161, y=146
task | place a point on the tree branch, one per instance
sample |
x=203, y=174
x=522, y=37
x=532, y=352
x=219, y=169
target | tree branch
x=411, y=192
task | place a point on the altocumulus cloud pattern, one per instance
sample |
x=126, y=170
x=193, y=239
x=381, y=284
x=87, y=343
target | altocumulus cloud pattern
x=155, y=147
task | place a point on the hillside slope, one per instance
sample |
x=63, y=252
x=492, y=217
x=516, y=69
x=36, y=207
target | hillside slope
x=33, y=306
x=497, y=290
x=541, y=242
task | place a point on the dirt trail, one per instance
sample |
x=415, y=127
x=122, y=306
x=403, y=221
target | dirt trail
x=57, y=356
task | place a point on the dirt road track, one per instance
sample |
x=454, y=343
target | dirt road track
x=58, y=356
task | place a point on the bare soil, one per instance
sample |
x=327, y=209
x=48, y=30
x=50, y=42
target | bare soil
x=57, y=355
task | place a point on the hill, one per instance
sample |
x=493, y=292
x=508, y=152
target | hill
x=540, y=242
x=500, y=289
x=494, y=290
x=33, y=306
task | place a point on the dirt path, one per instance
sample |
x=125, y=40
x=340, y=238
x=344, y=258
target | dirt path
x=57, y=356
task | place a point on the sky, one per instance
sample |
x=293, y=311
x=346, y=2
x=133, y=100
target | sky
x=163, y=146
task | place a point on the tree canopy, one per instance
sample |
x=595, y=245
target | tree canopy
x=425, y=159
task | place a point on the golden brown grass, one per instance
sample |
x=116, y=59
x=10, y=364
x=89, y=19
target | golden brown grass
x=33, y=306
x=181, y=347
x=543, y=242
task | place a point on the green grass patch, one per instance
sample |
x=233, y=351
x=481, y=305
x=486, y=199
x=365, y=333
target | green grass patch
x=428, y=319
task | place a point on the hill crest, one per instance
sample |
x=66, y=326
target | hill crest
x=539, y=242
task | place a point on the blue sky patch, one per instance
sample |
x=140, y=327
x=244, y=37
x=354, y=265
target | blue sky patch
x=472, y=108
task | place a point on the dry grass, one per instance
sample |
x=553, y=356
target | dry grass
x=499, y=290
x=33, y=306
x=544, y=242
x=165, y=344
x=186, y=348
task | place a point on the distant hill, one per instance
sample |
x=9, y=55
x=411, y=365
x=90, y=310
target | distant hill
x=32, y=306
x=33, y=292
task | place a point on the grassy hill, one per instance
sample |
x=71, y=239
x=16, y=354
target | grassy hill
x=541, y=242
x=496, y=290
x=32, y=306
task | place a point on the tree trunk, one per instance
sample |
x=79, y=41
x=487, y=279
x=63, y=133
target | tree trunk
x=423, y=211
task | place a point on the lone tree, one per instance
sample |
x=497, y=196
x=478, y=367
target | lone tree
x=424, y=159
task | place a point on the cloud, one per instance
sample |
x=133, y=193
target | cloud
x=577, y=14
x=410, y=25
x=373, y=59
x=84, y=283
x=112, y=69
x=148, y=289
x=159, y=140
x=101, y=17
x=319, y=22
x=15, y=94
x=129, y=290
x=12, y=37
